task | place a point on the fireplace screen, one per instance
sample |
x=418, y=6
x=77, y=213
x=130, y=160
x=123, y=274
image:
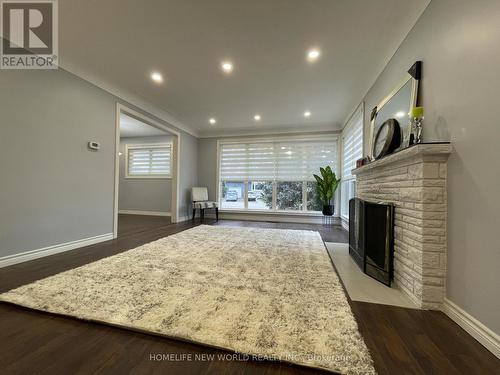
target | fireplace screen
x=371, y=238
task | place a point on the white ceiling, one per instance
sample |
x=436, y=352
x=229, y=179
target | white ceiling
x=131, y=127
x=120, y=42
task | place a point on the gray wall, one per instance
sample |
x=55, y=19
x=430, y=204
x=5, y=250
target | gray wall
x=458, y=42
x=188, y=174
x=52, y=189
x=143, y=194
x=207, y=165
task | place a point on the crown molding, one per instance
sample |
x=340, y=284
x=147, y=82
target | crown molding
x=289, y=130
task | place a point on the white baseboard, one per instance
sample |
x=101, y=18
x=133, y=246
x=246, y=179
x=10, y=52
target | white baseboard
x=10, y=260
x=489, y=339
x=147, y=213
x=344, y=223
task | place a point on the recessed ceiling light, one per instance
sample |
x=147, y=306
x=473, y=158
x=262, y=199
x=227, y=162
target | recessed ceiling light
x=227, y=66
x=307, y=114
x=157, y=77
x=256, y=117
x=400, y=114
x=313, y=54
x=212, y=121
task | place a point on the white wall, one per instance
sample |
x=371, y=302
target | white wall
x=458, y=42
x=143, y=194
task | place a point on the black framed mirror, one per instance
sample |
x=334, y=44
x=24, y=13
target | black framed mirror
x=396, y=107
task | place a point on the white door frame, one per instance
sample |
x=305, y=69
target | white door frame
x=174, y=206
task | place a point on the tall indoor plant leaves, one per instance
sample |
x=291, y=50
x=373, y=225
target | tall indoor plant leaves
x=327, y=184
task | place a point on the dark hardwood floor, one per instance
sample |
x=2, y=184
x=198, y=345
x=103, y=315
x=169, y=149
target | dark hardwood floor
x=401, y=341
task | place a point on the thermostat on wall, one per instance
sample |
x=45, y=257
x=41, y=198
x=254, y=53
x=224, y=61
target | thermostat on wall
x=94, y=146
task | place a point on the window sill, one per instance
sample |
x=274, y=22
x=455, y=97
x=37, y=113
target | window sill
x=148, y=177
x=276, y=213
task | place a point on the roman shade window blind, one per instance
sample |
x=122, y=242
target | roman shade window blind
x=352, y=150
x=149, y=161
x=275, y=160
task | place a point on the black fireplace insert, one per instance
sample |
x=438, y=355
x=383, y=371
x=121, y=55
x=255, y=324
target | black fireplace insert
x=371, y=238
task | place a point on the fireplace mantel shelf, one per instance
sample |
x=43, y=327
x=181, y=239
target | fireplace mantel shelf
x=410, y=152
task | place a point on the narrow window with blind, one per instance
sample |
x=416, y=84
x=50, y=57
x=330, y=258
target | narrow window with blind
x=149, y=161
x=273, y=175
x=352, y=150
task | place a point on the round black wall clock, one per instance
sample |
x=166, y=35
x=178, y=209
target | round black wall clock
x=388, y=138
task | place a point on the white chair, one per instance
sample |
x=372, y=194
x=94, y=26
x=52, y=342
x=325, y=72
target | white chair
x=199, y=196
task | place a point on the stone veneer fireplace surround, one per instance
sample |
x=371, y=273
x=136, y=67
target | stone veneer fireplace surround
x=414, y=180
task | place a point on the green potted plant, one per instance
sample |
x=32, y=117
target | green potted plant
x=327, y=185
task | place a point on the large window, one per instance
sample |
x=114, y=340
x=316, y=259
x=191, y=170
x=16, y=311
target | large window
x=149, y=161
x=273, y=175
x=352, y=150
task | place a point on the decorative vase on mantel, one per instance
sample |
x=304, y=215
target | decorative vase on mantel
x=417, y=115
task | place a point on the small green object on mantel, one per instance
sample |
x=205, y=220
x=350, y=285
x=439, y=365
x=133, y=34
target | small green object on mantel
x=417, y=112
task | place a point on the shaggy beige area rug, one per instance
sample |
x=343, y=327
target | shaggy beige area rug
x=266, y=292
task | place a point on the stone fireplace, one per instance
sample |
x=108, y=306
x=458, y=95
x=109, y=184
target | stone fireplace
x=414, y=180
